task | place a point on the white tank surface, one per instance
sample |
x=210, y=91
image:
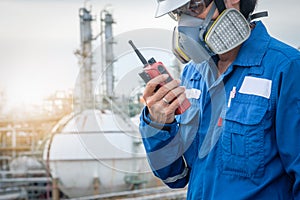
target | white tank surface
x=97, y=147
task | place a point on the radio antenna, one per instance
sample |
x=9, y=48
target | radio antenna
x=138, y=53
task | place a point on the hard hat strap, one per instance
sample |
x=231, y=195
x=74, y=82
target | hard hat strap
x=207, y=21
x=220, y=5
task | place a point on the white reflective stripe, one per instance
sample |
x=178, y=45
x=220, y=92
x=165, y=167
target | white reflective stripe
x=179, y=176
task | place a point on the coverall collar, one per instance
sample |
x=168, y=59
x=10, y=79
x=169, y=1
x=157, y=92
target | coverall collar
x=253, y=50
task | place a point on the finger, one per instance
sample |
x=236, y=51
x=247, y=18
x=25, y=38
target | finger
x=173, y=94
x=177, y=102
x=165, y=89
x=161, y=92
x=153, y=84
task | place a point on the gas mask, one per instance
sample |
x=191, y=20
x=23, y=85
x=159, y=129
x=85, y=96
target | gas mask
x=198, y=40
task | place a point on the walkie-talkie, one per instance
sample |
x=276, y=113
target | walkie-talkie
x=152, y=69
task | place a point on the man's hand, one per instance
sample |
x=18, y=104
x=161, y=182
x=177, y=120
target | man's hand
x=163, y=102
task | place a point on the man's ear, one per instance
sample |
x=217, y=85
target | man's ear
x=232, y=4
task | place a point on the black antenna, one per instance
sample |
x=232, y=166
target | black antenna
x=138, y=53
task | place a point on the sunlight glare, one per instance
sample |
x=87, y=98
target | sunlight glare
x=25, y=93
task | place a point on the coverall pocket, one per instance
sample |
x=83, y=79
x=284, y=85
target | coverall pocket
x=243, y=137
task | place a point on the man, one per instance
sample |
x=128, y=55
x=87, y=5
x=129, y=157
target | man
x=240, y=137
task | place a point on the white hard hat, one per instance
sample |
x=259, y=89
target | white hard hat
x=166, y=6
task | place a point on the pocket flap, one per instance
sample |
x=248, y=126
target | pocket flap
x=196, y=76
x=248, y=113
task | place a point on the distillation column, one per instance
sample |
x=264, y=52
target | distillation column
x=86, y=61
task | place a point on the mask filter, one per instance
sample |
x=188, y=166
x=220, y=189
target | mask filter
x=229, y=31
x=187, y=43
x=177, y=48
x=186, y=47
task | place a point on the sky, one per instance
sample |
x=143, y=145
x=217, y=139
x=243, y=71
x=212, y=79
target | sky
x=38, y=37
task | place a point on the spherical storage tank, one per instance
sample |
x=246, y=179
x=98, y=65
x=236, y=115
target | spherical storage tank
x=97, y=146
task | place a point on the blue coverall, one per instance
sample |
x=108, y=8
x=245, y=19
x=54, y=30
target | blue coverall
x=240, y=139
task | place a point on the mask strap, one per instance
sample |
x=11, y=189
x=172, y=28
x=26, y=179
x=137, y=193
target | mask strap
x=257, y=15
x=220, y=5
x=207, y=20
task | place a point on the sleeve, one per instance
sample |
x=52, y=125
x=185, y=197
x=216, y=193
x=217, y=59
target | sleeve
x=288, y=123
x=164, y=150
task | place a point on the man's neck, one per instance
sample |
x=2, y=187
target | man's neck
x=226, y=59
